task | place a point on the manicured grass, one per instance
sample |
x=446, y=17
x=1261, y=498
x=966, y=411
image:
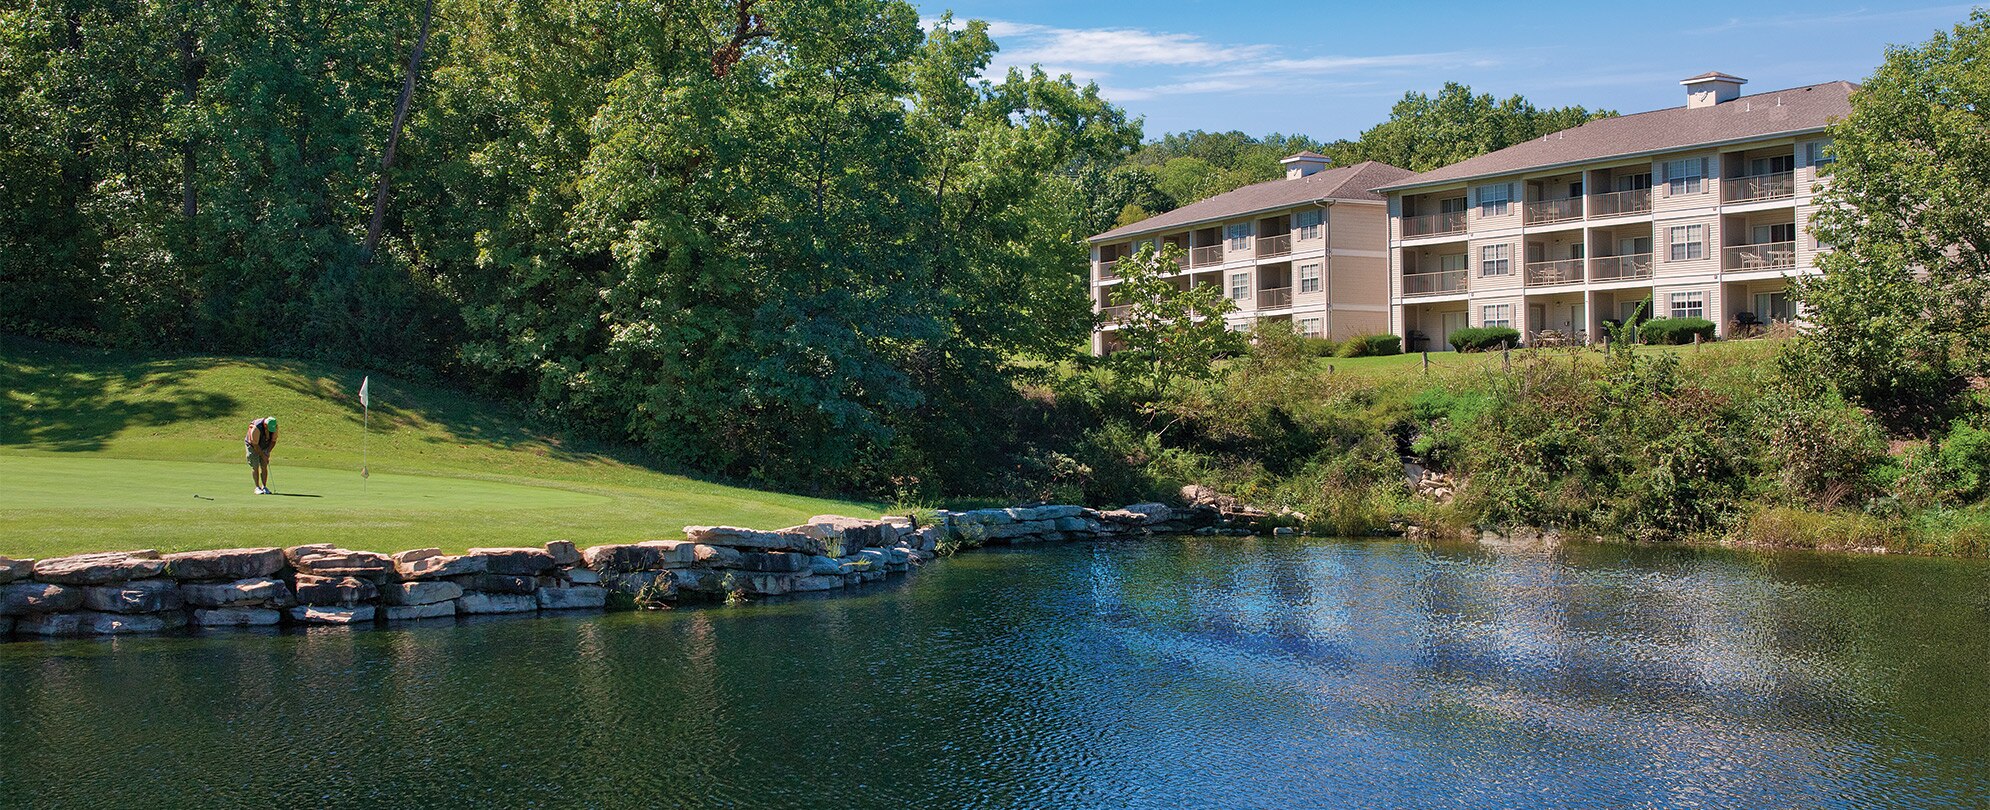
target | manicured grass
x=102, y=451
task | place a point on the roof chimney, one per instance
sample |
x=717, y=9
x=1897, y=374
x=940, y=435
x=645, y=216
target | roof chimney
x=1708, y=89
x=1304, y=164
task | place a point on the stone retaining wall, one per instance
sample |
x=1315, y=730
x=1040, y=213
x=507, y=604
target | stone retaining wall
x=126, y=592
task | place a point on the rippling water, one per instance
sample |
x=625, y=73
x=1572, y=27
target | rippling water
x=1196, y=672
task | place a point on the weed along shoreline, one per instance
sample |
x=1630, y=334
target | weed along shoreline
x=144, y=592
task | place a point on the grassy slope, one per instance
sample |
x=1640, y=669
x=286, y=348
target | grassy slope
x=107, y=451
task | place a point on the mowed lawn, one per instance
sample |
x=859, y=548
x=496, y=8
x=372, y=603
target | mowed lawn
x=102, y=451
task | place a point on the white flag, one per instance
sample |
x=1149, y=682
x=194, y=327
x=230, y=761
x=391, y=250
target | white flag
x=362, y=391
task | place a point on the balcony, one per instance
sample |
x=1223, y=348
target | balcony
x=1620, y=203
x=1438, y=283
x=1620, y=268
x=1206, y=255
x=1279, y=245
x=1276, y=298
x=1117, y=314
x=1759, y=187
x=1541, y=212
x=1109, y=270
x=1765, y=256
x=1560, y=271
x=1449, y=222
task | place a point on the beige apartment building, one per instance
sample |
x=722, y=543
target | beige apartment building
x=1311, y=248
x=1702, y=210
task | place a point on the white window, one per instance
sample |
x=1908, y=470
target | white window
x=1496, y=315
x=1820, y=153
x=1493, y=199
x=1311, y=327
x=1688, y=242
x=1308, y=223
x=1239, y=236
x=1688, y=304
x=1309, y=278
x=1496, y=260
x=1453, y=262
x=1240, y=286
x=1684, y=176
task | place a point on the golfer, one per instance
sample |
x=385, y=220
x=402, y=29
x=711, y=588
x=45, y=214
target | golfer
x=260, y=440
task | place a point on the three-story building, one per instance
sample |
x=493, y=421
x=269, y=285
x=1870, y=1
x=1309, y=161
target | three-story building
x=1311, y=248
x=1693, y=211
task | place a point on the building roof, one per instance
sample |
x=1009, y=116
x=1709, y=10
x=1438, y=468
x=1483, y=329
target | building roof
x=1761, y=115
x=1344, y=183
x=1714, y=76
x=1306, y=155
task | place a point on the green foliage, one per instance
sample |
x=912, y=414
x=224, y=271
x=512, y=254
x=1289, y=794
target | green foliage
x=1168, y=332
x=1190, y=166
x=1425, y=132
x=1370, y=346
x=1954, y=469
x=1484, y=338
x=1899, y=315
x=1675, y=331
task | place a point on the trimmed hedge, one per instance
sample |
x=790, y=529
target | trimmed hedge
x=1371, y=346
x=1484, y=338
x=1675, y=331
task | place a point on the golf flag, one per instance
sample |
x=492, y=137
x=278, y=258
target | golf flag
x=362, y=391
x=365, y=416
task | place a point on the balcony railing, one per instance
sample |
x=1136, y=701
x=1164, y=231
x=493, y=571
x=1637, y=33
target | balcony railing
x=1109, y=270
x=1562, y=210
x=1117, y=314
x=1560, y=271
x=1765, y=256
x=1620, y=268
x=1279, y=245
x=1276, y=298
x=1620, y=203
x=1206, y=255
x=1434, y=224
x=1759, y=187
x=1438, y=283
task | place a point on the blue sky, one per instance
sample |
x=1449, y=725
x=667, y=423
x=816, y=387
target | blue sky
x=1332, y=69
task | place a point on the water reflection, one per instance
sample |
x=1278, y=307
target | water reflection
x=1234, y=673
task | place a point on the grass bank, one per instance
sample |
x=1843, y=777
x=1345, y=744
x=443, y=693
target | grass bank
x=105, y=450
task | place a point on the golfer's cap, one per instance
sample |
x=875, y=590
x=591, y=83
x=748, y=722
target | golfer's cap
x=269, y=422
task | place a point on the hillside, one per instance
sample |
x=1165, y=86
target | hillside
x=103, y=450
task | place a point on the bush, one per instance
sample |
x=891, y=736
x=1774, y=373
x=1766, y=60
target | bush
x=1371, y=346
x=1320, y=347
x=1675, y=331
x=1484, y=338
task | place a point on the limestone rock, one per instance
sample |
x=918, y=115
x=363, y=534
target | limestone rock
x=706, y=556
x=816, y=583
x=521, y=562
x=574, y=598
x=92, y=623
x=582, y=576
x=231, y=564
x=433, y=610
x=430, y=563
x=235, y=617
x=735, y=537
x=841, y=535
x=12, y=569
x=412, y=594
x=824, y=566
x=38, y=597
x=242, y=593
x=327, y=561
x=321, y=614
x=100, y=569
x=765, y=584
x=1284, y=531
x=143, y=596
x=497, y=583
x=564, y=553
x=313, y=590
x=476, y=603
x=655, y=555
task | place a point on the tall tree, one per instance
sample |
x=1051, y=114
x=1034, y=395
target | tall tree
x=1425, y=132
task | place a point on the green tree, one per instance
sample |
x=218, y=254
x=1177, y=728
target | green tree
x=1425, y=132
x=1168, y=332
x=1902, y=311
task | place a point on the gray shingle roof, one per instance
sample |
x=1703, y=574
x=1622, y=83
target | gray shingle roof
x=1345, y=183
x=1761, y=115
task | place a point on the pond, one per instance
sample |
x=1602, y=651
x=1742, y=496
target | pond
x=1177, y=672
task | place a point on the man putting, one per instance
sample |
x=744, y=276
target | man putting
x=260, y=440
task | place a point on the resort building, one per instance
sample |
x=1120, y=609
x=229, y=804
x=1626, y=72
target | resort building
x=1311, y=248
x=1700, y=210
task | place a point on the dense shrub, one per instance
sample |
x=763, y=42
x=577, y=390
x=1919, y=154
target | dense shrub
x=1320, y=347
x=1371, y=346
x=1484, y=338
x=1675, y=331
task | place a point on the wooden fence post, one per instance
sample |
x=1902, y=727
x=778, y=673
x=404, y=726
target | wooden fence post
x=1506, y=355
x=1426, y=362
